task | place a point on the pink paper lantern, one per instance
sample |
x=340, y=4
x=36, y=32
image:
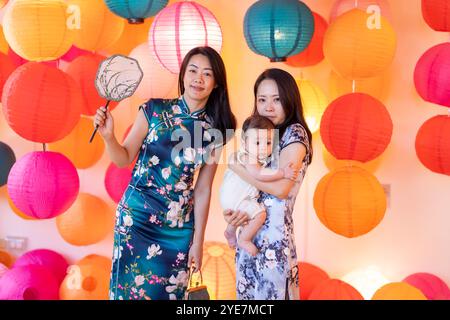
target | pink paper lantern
x=157, y=82
x=179, y=28
x=29, y=283
x=430, y=285
x=3, y=269
x=116, y=181
x=342, y=6
x=432, y=75
x=43, y=184
x=45, y=258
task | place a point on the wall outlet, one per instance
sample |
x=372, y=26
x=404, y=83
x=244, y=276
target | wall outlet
x=16, y=243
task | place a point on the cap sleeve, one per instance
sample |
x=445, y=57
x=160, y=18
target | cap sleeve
x=148, y=109
x=295, y=133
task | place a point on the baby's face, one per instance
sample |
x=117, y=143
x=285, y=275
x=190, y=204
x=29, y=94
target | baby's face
x=258, y=142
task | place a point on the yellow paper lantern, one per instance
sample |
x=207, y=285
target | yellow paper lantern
x=88, y=221
x=76, y=145
x=398, y=291
x=360, y=45
x=350, y=201
x=375, y=87
x=3, y=44
x=95, y=27
x=36, y=29
x=218, y=270
x=314, y=103
x=332, y=163
x=132, y=36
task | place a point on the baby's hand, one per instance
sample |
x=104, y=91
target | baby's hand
x=290, y=172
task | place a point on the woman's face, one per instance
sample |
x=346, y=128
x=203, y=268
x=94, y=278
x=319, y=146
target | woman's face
x=199, y=79
x=268, y=102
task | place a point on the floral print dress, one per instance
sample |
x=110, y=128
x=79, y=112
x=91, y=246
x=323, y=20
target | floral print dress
x=273, y=273
x=155, y=219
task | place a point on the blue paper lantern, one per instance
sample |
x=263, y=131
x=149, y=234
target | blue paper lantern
x=7, y=160
x=278, y=28
x=135, y=11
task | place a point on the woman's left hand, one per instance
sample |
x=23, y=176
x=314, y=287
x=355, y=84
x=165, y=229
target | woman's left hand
x=196, y=256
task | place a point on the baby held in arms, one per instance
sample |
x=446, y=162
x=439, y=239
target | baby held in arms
x=237, y=194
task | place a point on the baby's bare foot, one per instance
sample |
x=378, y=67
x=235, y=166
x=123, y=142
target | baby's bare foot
x=231, y=238
x=249, y=247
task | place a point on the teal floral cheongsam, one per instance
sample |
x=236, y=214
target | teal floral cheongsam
x=155, y=218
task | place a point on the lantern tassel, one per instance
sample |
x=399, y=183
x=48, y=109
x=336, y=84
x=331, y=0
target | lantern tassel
x=96, y=127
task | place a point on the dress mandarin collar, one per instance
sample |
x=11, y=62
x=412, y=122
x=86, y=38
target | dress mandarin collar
x=185, y=108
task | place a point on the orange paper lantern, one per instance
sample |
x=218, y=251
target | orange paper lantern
x=332, y=163
x=334, y=289
x=6, y=258
x=433, y=144
x=309, y=276
x=350, y=201
x=77, y=148
x=357, y=47
x=37, y=30
x=41, y=103
x=88, y=221
x=398, y=291
x=95, y=259
x=356, y=127
x=84, y=71
x=95, y=27
x=3, y=3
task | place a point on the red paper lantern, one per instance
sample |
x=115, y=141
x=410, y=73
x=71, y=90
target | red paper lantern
x=433, y=144
x=432, y=75
x=116, y=181
x=437, y=14
x=313, y=54
x=334, y=289
x=6, y=68
x=356, y=126
x=309, y=276
x=84, y=70
x=41, y=103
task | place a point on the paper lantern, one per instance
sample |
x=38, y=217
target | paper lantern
x=19, y=213
x=432, y=75
x=49, y=259
x=28, y=283
x=3, y=3
x=430, y=285
x=309, y=276
x=314, y=103
x=357, y=51
x=157, y=82
x=41, y=103
x=179, y=28
x=313, y=54
x=76, y=146
x=370, y=6
x=398, y=291
x=433, y=144
x=132, y=36
x=218, y=270
x=85, y=282
x=7, y=160
x=356, y=127
x=6, y=258
x=334, y=289
x=4, y=46
x=43, y=184
x=6, y=68
x=116, y=181
x=350, y=201
x=95, y=27
x=367, y=281
x=278, y=29
x=18, y=60
x=376, y=87
x=436, y=14
x=73, y=53
x=3, y=269
x=95, y=259
x=135, y=11
x=37, y=30
x=88, y=221
x=332, y=163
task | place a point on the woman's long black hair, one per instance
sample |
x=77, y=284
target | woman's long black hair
x=218, y=105
x=289, y=98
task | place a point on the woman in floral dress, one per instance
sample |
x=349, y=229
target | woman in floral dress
x=273, y=273
x=158, y=234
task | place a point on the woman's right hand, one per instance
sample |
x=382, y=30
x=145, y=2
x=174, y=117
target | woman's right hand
x=105, y=122
x=235, y=218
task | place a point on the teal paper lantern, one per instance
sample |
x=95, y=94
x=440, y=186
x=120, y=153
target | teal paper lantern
x=7, y=160
x=278, y=28
x=135, y=11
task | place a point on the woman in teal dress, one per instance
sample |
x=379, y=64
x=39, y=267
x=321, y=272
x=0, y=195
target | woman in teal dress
x=161, y=218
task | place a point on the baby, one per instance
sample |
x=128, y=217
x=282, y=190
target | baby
x=237, y=194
